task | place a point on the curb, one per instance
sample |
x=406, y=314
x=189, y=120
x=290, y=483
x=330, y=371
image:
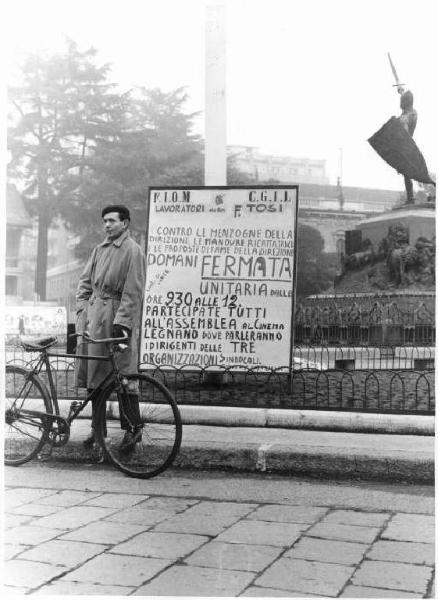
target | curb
x=321, y=420
x=338, y=458
x=334, y=463
x=319, y=462
x=308, y=419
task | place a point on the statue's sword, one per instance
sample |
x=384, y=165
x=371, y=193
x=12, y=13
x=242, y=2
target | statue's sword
x=394, y=72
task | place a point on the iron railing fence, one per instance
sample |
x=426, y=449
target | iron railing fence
x=316, y=357
x=365, y=334
x=383, y=391
x=366, y=379
x=366, y=319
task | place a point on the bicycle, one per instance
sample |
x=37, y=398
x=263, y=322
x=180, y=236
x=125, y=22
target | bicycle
x=33, y=418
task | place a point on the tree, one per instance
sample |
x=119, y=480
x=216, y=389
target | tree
x=62, y=108
x=154, y=145
x=237, y=177
x=77, y=145
x=316, y=270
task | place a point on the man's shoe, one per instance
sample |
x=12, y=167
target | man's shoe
x=129, y=440
x=89, y=442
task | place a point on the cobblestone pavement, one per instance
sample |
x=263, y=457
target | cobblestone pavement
x=66, y=541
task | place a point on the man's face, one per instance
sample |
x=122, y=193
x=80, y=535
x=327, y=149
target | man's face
x=113, y=225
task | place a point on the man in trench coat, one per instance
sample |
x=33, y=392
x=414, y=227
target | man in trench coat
x=108, y=304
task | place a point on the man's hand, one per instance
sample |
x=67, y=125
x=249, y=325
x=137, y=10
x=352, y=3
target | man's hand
x=120, y=331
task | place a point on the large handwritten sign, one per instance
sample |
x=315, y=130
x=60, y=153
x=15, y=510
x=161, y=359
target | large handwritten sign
x=220, y=277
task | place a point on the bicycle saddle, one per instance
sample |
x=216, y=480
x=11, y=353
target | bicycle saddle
x=32, y=343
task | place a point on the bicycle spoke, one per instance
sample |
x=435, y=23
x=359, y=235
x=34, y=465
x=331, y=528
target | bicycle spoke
x=157, y=439
x=25, y=431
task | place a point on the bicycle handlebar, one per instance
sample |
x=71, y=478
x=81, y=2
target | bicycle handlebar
x=110, y=340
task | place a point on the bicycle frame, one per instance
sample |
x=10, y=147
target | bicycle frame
x=141, y=437
x=76, y=407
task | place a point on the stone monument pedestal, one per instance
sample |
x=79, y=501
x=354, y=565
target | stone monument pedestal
x=385, y=294
x=418, y=219
x=391, y=251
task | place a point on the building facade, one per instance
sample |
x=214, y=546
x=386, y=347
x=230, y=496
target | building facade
x=64, y=269
x=18, y=223
x=284, y=169
x=331, y=209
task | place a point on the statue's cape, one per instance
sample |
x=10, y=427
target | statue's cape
x=394, y=144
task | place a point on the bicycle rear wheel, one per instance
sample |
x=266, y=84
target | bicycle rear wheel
x=161, y=429
x=25, y=432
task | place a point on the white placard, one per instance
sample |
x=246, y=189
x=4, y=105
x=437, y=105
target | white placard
x=220, y=277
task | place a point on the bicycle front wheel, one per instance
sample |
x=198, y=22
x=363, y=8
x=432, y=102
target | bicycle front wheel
x=25, y=431
x=159, y=426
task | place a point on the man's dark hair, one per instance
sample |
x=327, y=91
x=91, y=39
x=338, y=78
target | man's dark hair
x=118, y=208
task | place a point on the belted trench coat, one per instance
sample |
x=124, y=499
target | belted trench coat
x=110, y=291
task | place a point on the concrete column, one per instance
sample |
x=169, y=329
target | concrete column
x=215, y=98
x=215, y=166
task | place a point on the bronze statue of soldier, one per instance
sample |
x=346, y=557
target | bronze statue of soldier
x=395, y=144
x=408, y=119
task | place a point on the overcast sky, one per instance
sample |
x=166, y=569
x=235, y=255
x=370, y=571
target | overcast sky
x=304, y=77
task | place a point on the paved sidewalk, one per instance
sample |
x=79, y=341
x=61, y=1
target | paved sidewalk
x=389, y=457
x=78, y=539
